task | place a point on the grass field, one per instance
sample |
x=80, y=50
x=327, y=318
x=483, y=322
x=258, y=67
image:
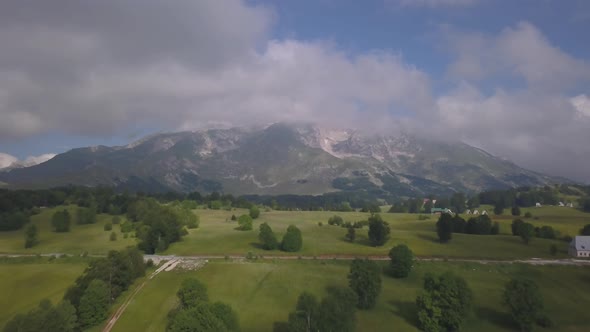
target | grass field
x=91, y=238
x=24, y=285
x=216, y=235
x=264, y=292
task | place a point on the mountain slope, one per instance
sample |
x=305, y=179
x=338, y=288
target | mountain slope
x=281, y=159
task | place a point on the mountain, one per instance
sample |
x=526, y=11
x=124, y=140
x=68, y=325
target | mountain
x=8, y=162
x=281, y=159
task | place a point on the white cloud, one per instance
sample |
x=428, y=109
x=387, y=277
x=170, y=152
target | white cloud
x=35, y=160
x=6, y=160
x=582, y=104
x=516, y=52
x=434, y=3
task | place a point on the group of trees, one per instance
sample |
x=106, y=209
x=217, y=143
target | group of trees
x=335, y=312
x=528, y=231
x=196, y=313
x=292, y=240
x=61, y=220
x=46, y=317
x=448, y=224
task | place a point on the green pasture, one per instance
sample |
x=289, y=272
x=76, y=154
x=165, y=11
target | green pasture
x=91, y=238
x=264, y=292
x=217, y=235
x=24, y=285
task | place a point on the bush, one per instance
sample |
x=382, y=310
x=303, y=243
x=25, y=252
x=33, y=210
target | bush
x=515, y=211
x=292, y=240
x=364, y=279
x=267, y=237
x=113, y=236
x=233, y=217
x=553, y=249
x=350, y=234
x=108, y=227
x=402, y=260
x=245, y=222
x=528, y=215
x=423, y=217
x=320, y=223
x=254, y=212
x=116, y=220
x=335, y=220
x=149, y=263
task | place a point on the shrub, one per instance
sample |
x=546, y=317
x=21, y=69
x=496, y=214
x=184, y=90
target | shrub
x=335, y=220
x=402, y=260
x=108, y=227
x=113, y=236
x=245, y=222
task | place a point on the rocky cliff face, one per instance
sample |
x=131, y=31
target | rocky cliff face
x=281, y=159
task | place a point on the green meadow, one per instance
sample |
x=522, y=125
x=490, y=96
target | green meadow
x=25, y=283
x=265, y=291
x=81, y=238
x=217, y=235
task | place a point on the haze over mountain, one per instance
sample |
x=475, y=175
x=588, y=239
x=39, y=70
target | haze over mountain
x=281, y=159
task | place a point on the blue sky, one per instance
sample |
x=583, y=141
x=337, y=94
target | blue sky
x=512, y=77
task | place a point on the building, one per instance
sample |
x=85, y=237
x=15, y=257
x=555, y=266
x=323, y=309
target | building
x=440, y=211
x=580, y=246
x=561, y=204
x=538, y=204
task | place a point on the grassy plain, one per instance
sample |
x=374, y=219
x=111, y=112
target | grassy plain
x=217, y=235
x=24, y=284
x=265, y=292
x=91, y=238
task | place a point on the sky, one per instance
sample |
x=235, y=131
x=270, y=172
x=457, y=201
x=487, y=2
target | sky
x=510, y=77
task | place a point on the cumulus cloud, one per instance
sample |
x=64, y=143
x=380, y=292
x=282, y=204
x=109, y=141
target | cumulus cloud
x=7, y=160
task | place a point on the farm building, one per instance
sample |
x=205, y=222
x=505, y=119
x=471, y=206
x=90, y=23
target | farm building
x=580, y=246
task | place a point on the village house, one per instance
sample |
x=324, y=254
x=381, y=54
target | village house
x=440, y=211
x=580, y=246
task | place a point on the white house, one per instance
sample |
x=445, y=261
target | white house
x=468, y=212
x=475, y=212
x=561, y=204
x=538, y=204
x=580, y=246
x=484, y=212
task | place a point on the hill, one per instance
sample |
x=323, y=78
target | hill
x=281, y=159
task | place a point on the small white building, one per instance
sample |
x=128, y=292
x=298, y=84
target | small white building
x=561, y=204
x=538, y=204
x=468, y=212
x=570, y=205
x=484, y=212
x=475, y=212
x=580, y=246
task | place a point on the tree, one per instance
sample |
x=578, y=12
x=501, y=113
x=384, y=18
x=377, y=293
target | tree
x=306, y=315
x=292, y=240
x=267, y=237
x=350, y=234
x=444, y=227
x=498, y=208
x=553, y=249
x=546, y=232
x=45, y=317
x=86, y=215
x=527, y=232
x=61, y=221
x=364, y=279
x=197, y=318
x=108, y=227
x=515, y=210
x=226, y=314
x=524, y=301
x=191, y=292
x=528, y=215
x=113, y=236
x=444, y=303
x=495, y=228
x=585, y=230
x=233, y=217
x=245, y=222
x=459, y=224
x=94, y=304
x=254, y=212
x=31, y=236
x=516, y=226
x=338, y=310
x=401, y=261
x=378, y=230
